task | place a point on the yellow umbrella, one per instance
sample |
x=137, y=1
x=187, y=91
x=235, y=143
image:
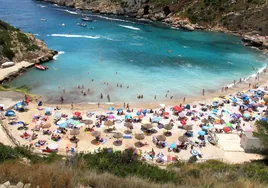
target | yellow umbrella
x=144, y=122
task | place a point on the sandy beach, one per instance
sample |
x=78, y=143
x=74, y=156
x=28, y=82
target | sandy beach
x=228, y=148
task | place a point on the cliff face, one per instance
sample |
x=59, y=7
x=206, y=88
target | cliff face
x=241, y=16
x=17, y=46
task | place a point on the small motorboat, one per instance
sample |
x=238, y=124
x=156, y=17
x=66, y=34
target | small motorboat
x=40, y=67
x=82, y=24
x=87, y=19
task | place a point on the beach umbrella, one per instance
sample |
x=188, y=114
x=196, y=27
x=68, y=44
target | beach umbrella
x=234, y=100
x=139, y=136
x=144, y=111
x=209, y=126
x=165, y=113
x=148, y=126
x=20, y=122
x=183, y=122
x=205, y=127
x=128, y=124
x=218, y=126
x=77, y=114
x=138, y=113
x=108, y=123
x=205, y=121
x=226, y=129
x=229, y=124
x=120, y=109
x=10, y=113
x=183, y=139
x=265, y=98
x=96, y=133
x=128, y=116
x=111, y=117
x=173, y=145
x=111, y=108
x=246, y=115
x=161, y=137
x=53, y=146
x=47, y=125
x=144, y=122
x=88, y=122
x=63, y=125
x=74, y=132
x=168, y=127
x=181, y=115
x=188, y=127
x=177, y=108
x=201, y=133
x=118, y=135
x=61, y=121
x=194, y=152
x=155, y=119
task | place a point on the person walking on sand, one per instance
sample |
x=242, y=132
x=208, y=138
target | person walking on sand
x=203, y=92
x=127, y=106
x=124, y=105
x=61, y=99
x=72, y=106
x=98, y=104
x=108, y=97
x=184, y=99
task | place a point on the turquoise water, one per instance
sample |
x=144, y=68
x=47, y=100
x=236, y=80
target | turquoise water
x=147, y=58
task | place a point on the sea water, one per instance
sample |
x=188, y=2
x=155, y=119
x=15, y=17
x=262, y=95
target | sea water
x=144, y=58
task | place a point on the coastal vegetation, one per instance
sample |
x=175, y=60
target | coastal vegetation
x=18, y=46
x=25, y=89
x=121, y=169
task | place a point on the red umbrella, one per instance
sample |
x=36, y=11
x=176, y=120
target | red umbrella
x=77, y=113
x=183, y=122
x=177, y=108
x=226, y=129
x=165, y=113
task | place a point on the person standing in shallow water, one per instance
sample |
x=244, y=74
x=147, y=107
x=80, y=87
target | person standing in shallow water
x=72, y=106
x=203, y=92
x=124, y=105
x=61, y=99
x=101, y=96
x=108, y=97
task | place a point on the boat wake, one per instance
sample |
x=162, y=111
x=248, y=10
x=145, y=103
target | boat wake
x=113, y=19
x=59, y=53
x=71, y=12
x=74, y=36
x=42, y=6
x=130, y=27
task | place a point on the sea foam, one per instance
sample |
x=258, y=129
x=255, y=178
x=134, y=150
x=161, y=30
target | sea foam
x=130, y=27
x=71, y=12
x=74, y=36
x=59, y=53
x=113, y=19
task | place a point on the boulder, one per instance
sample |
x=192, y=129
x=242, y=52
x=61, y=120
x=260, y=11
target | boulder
x=188, y=27
x=5, y=185
x=140, y=12
x=159, y=16
x=19, y=185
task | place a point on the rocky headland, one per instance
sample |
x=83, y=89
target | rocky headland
x=21, y=48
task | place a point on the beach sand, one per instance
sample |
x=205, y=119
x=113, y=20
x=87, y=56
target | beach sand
x=228, y=149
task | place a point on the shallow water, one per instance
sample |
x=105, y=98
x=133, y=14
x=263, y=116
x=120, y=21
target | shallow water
x=148, y=59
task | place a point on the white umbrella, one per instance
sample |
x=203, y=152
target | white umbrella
x=53, y=146
x=218, y=126
x=181, y=114
x=61, y=121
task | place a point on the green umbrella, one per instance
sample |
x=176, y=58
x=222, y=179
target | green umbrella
x=229, y=124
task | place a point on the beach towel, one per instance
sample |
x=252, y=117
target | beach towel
x=127, y=137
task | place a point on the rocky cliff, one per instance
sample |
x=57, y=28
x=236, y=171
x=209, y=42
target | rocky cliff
x=18, y=46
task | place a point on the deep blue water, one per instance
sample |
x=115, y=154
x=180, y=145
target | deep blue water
x=148, y=59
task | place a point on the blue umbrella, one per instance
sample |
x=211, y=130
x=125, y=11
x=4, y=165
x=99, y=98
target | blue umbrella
x=111, y=108
x=10, y=113
x=63, y=125
x=120, y=109
x=20, y=122
x=173, y=145
x=234, y=100
x=214, y=111
x=144, y=111
x=205, y=127
x=209, y=126
x=138, y=113
x=128, y=116
x=194, y=152
x=201, y=133
x=156, y=119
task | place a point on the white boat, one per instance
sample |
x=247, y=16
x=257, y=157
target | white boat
x=87, y=19
x=8, y=64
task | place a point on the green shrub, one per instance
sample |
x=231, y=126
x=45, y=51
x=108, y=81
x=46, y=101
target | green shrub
x=23, y=38
x=8, y=52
